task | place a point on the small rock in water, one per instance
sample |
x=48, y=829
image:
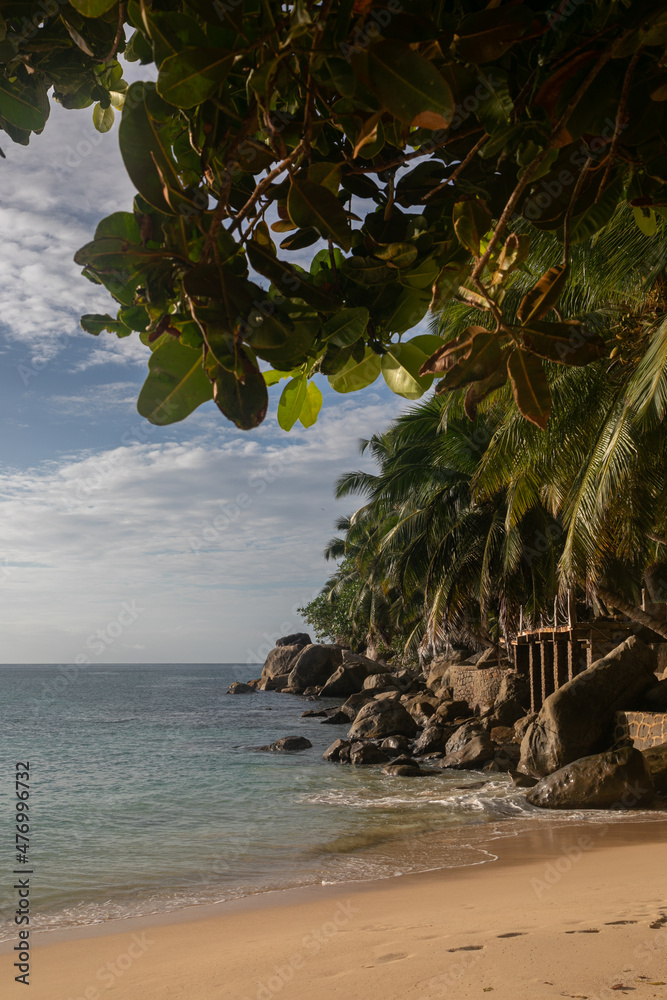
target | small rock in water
x=338, y=719
x=238, y=687
x=367, y=753
x=288, y=744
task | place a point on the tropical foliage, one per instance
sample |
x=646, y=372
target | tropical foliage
x=466, y=526
x=391, y=149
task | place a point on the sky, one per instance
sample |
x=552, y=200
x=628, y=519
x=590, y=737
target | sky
x=121, y=541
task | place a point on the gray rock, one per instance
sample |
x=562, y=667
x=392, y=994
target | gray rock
x=473, y=753
x=355, y=702
x=468, y=731
x=420, y=708
x=337, y=719
x=280, y=661
x=379, y=682
x=316, y=713
x=367, y=753
x=400, y=744
x=506, y=713
x=449, y=711
x=655, y=759
x=370, y=666
x=655, y=698
x=314, y=665
x=296, y=639
x=577, y=719
x=404, y=767
x=238, y=687
x=521, y=725
x=337, y=748
x=515, y=686
x=288, y=744
x=383, y=718
x=345, y=680
x=617, y=779
x=312, y=691
x=432, y=740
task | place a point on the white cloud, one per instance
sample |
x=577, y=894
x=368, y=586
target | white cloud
x=217, y=538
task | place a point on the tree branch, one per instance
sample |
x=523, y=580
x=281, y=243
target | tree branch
x=634, y=613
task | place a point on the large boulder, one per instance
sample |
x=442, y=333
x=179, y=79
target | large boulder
x=617, y=779
x=295, y=639
x=655, y=759
x=344, y=681
x=468, y=731
x=280, y=661
x=359, y=660
x=379, y=682
x=473, y=753
x=314, y=665
x=367, y=753
x=449, y=710
x=432, y=740
x=383, y=718
x=339, y=751
x=506, y=713
x=356, y=702
x=577, y=719
x=516, y=686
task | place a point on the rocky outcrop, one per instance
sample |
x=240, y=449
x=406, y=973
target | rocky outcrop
x=383, y=718
x=280, y=661
x=345, y=680
x=655, y=699
x=336, y=719
x=295, y=639
x=379, y=682
x=514, y=686
x=506, y=713
x=288, y=744
x=522, y=724
x=339, y=752
x=238, y=687
x=617, y=779
x=463, y=734
x=395, y=744
x=655, y=759
x=314, y=665
x=367, y=753
x=449, y=711
x=577, y=719
x=473, y=753
x=432, y=740
x=356, y=702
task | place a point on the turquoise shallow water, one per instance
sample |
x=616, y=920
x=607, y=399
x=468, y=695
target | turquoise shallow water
x=147, y=795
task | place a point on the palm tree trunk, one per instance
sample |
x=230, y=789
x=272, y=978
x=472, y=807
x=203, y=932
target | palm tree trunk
x=632, y=612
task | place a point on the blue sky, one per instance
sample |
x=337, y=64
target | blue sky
x=120, y=541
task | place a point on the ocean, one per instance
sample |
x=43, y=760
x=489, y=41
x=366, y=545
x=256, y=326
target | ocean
x=148, y=795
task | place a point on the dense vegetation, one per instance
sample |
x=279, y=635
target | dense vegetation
x=467, y=525
x=394, y=149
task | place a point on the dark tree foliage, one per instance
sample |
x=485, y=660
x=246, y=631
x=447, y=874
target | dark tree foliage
x=415, y=148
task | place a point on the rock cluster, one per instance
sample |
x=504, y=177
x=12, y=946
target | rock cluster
x=410, y=724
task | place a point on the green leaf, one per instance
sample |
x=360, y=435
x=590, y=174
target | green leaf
x=326, y=174
x=346, y=326
x=22, y=106
x=96, y=323
x=447, y=355
x=291, y=401
x=176, y=384
x=242, y=397
x=312, y=405
x=530, y=386
x=135, y=317
x=567, y=343
x=289, y=281
x=230, y=296
x=272, y=377
x=314, y=205
x=301, y=239
x=472, y=219
x=357, y=375
x=544, y=295
x=103, y=118
x=645, y=220
x=400, y=370
x=92, y=8
x=146, y=151
x=191, y=76
x=400, y=254
x=409, y=86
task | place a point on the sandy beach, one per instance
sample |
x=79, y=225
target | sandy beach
x=574, y=912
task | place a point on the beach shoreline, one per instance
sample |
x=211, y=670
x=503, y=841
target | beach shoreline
x=544, y=883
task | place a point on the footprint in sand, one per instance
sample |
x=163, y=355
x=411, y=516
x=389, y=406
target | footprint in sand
x=612, y=923
x=468, y=947
x=589, y=930
x=514, y=934
x=392, y=956
x=660, y=922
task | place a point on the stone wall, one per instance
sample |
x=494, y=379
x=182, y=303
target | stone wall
x=642, y=729
x=479, y=687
